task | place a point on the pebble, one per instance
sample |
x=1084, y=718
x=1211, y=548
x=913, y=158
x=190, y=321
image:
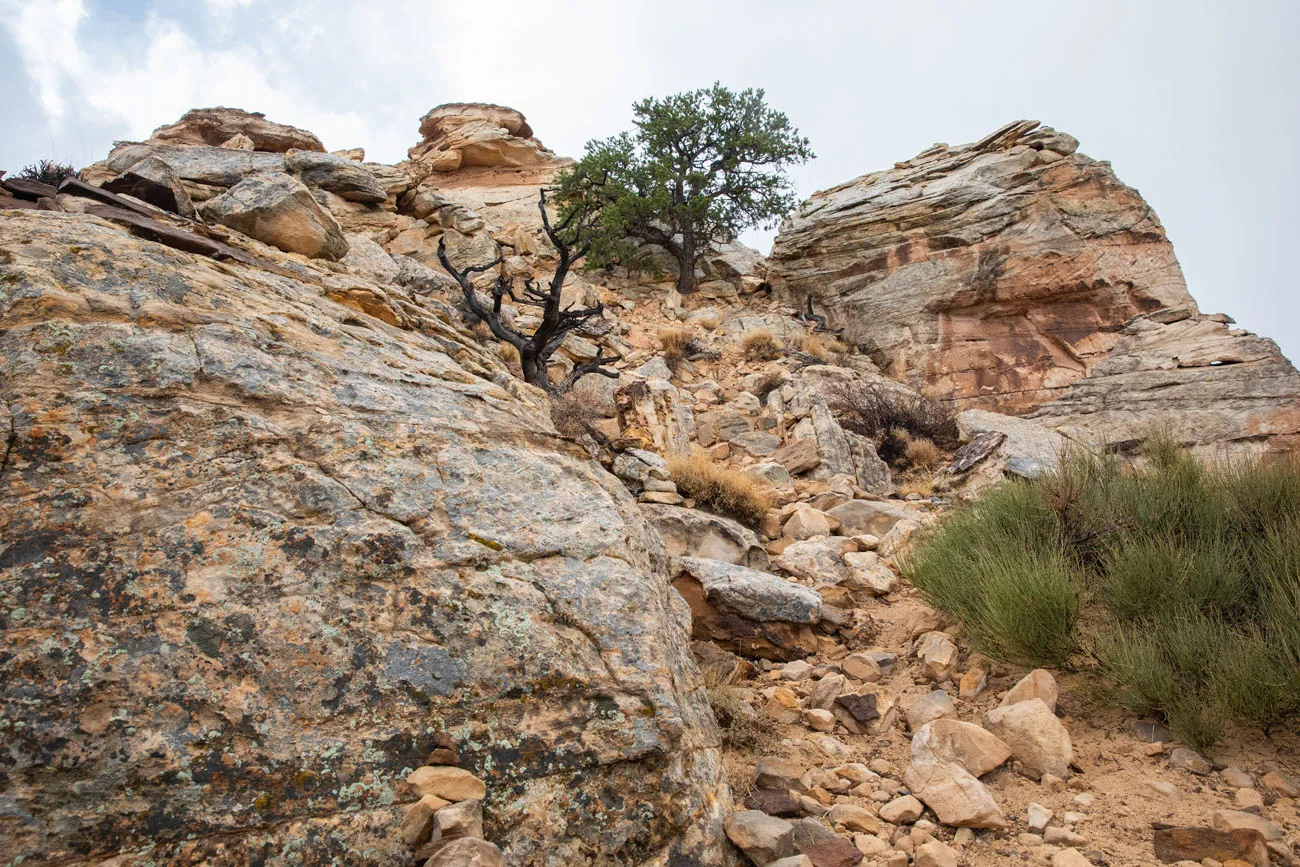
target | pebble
x=1237, y=778
x=1166, y=789
x=1063, y=837
x=1039, y=816
x=1189, y=760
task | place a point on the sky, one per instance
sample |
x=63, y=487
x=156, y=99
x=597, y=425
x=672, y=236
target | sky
x=1193, y=102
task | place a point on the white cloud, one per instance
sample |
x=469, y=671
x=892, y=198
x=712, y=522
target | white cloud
x=45, y=34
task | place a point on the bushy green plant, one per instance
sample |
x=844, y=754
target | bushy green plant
x=1180, y=579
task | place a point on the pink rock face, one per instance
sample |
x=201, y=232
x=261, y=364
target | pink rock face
x=994, y=272
x=1008, y=273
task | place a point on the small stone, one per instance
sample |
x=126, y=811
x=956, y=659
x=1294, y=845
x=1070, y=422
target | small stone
x=854, y=818
x=963, y=837
x=1052, y=783
x=1286, y=786
x=793, y=861
x=417, y=824
x=1070, y=858
x=860, y=666
x=820, y=720
x=1057, y=836
x=1196, y=844
x=881, y=766
x=761, y=837
x=936, y=705
x=780, y=774
x=1237, y=778
x=870, y=845
x=935, y=854
x=806, y=523
x=662, y=497
x=797, y=670
x=443, y=756
x=773, y=802
x=1029, y=840
x=1039, y=683
x=1166, y=789
x=1189, y=760
x=1249, y=799
x=1156, y=749
x=1039, y=816
x=938, y=655
x=464, y=819
x=1085, y=800
x=972, y=683
x=902, y=811
x=448, y=783
x=837, y=852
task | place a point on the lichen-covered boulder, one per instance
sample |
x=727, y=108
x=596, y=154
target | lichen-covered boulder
x=262, y=552
x=340, y=176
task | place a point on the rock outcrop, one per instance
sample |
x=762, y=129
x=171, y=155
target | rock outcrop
x=218, y=126
x=463, y=135
x=1015, y=273
x=262, y=549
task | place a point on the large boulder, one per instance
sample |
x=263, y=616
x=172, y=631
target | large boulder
x=279, y=211
x=954, y=794
x=1036, y=738
x=335, y=174
x=217, y=126
x=262, y=558
x=950, y=740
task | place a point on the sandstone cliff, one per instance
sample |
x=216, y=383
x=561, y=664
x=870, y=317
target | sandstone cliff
x=1005, y=274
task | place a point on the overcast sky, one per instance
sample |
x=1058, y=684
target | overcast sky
x=1193, y=101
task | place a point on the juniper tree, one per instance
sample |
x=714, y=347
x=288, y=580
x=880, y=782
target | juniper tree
x=700, y=166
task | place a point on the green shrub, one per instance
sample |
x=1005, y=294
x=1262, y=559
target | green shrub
x=1180, y=580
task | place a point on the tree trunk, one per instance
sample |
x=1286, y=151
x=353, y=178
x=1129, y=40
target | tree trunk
x=535, y=370
x=685, y=254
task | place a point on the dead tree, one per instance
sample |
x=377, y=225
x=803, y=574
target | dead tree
x=571, y=238
x=818, y=322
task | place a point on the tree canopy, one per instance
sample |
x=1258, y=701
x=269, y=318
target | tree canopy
x=700, y=166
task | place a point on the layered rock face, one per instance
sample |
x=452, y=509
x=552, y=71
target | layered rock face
x=236, y=128
x=1005, y=275
x=463, y=135
x=261, y=549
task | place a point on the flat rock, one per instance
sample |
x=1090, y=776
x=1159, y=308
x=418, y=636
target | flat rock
x=752, y=594
x=902, y=811
x=689, y=532
x=1196, y=844
x=218, y=166
x=152, y=180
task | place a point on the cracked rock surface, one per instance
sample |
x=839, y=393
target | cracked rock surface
x=260, y=549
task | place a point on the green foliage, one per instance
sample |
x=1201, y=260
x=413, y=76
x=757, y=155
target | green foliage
x=1181, y=580
x=47, y=172
x=701, y=165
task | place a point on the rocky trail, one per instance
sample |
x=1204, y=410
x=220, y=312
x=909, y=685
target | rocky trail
x=296, y=570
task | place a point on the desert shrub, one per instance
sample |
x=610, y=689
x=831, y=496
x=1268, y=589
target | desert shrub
x=678, y=345
x=709, y=321
x=759, y=344
x=47, y=172
x=827, y=349
x=719, y=489
x=571, y=413
x=741, y=726
x=922, y=454
x=875, y=409
x=1179, y=580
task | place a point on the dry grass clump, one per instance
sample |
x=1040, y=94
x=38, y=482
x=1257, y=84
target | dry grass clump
x=678, y=345
x=759, y=344
x=717, y=488
x=922, y=454
x=828, y=349
x=894, y=418
x=708, y=321
x=508, y=354
x=1181, y=581
x=571, y=414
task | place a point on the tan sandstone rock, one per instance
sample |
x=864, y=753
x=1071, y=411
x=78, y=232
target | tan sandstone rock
x=217, y=126
x=1036, y=738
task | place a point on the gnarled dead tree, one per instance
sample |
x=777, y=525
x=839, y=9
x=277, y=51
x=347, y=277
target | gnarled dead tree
x=572, y=238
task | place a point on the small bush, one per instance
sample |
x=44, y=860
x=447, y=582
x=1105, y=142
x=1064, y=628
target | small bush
x=1181, y=581
x=874, y=409
x=828, y=349
x=47, y=172
x=741, y=726
x=708, y=321
x=678, y=345
x=571, y=414
x=922, y=454
x=759, y=344
x=719, y=489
